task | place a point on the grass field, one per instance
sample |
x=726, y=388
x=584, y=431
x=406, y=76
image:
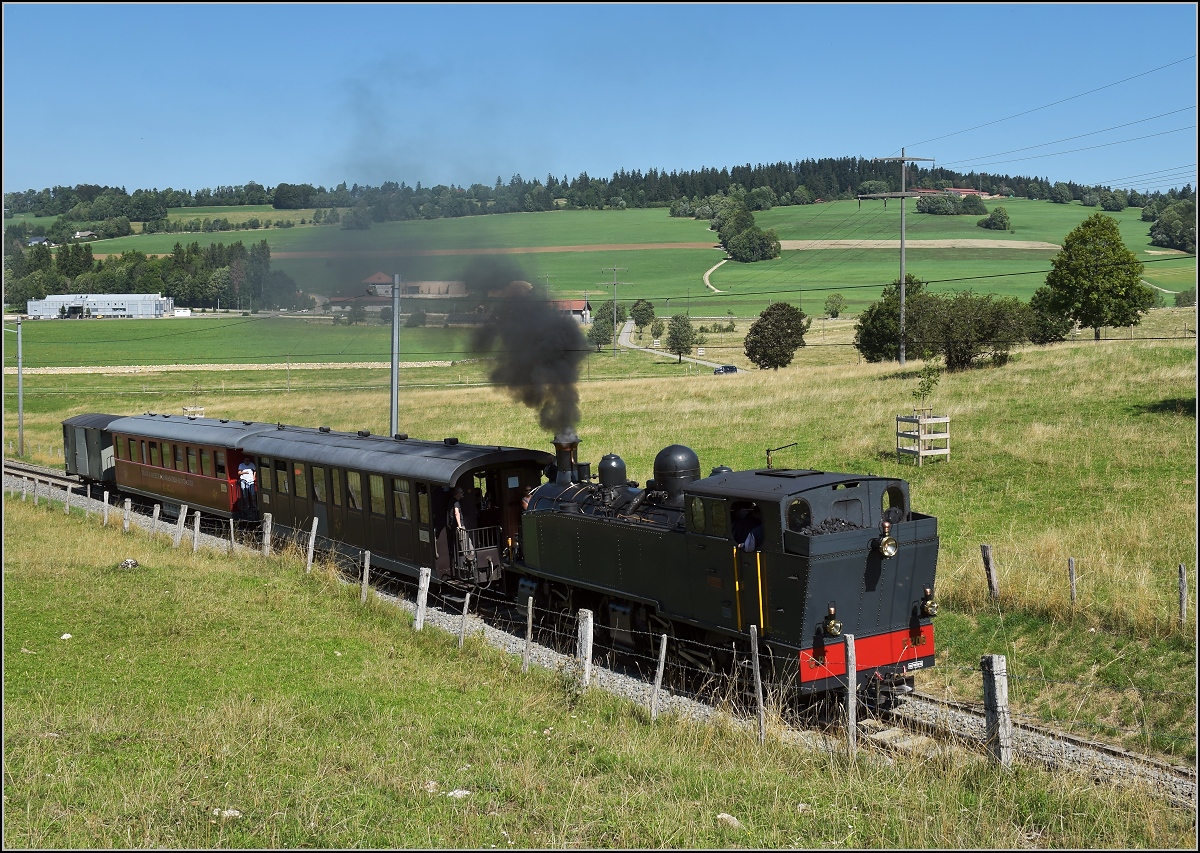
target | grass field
x=338, y=260
x=1042, y=469
x=203, y=701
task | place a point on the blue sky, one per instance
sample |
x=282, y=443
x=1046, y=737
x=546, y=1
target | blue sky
x=194, y=96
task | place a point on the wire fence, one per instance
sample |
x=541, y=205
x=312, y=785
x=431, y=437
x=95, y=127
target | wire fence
x=715, y=674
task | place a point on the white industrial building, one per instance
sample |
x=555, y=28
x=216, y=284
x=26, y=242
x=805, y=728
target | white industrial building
x=118, y=305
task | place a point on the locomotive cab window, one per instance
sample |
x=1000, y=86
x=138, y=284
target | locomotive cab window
x=717, y=518
x=696, y=514
x=281, y=477
x=893, y=505
x=799, y=515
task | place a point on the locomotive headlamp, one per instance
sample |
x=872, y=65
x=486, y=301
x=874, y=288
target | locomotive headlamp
x=832, y=626
x=886, y=544
x=928, y=605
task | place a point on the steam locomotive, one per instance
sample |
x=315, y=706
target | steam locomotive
x=804, y=556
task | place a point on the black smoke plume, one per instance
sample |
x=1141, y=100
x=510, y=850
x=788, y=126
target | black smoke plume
x=537, y=347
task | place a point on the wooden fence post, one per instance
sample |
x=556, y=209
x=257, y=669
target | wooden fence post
x=851, y=696
x=422, y=597
x=24, y=488
x=67, y=501
x=179, y=522
x=997, y=719
x=232, y=542
x=758, y=690
x=585, y=644
x=105, y=524
x=195, y=530
x=154, y=519
x=125, y=523
x=662, y=665
x=312, y=542
x=1071, y=575
x=266, y=534
x=990, y=567
x=462, y=627
x=528, y=633
x=366, y=577
x=35, y=491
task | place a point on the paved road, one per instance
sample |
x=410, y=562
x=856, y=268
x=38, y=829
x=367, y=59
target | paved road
x=624, y=340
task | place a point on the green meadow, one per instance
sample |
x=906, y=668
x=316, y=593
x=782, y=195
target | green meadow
x=330, y=260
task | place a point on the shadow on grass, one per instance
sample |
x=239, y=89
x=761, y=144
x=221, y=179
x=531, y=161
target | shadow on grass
x=1185, y=406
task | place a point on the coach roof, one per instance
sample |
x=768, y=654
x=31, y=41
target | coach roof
x=431, y=461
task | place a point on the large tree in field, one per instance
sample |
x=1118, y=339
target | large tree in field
x=642, y=313
x=681, y=336
x=776, y=335
x=1095, y=280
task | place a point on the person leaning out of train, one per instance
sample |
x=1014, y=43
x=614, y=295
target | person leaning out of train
x=247, y=483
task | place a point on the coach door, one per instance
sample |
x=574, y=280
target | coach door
x=377, y=537
x=281, y=501
x=356, y=528
x=403, y=530
x=320, y=499
x=424, y=544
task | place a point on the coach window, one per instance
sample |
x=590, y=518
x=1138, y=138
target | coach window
x=318, y=478
x=281, y=477
x=118, y=444
x=192, y=467
x=206, y=462
x=301, y=481
x=400, y=499
x=422, y=503
x=264, y=474
x=377, y=506
x=145, y=457
x=353, y=490
x=166, y=455
x=335, y=477
x=154, y=453
x=178, y=457
x=220, y=457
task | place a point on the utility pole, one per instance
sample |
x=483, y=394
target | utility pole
x=395, y=418
x=902, y=195
x=614, y=271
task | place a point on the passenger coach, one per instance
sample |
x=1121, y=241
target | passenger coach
x=387, y=495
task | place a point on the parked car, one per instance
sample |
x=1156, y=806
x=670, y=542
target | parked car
x=726, y=368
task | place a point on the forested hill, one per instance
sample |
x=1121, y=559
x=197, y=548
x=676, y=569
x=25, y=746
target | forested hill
x=801, y=182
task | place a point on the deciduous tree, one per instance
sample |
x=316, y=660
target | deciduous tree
x=775, y=336
x=681, y=336
x=1095, y=280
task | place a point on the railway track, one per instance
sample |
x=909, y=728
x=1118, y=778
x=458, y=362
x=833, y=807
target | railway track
x=921, y=726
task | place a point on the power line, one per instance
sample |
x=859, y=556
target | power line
x=1055, y=103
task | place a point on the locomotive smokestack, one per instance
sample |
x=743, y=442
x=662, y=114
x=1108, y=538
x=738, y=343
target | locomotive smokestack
x=566, y=453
